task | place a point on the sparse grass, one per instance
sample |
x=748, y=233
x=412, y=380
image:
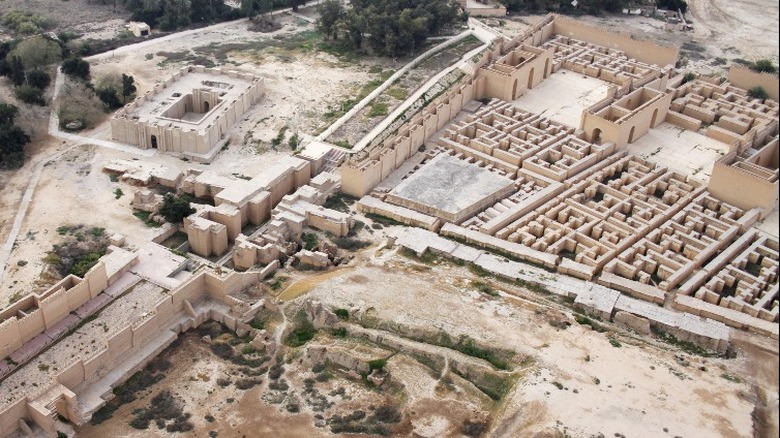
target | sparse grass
x=340, y=202
x=277, y=283
x=350, y=243
x=377, y=109
x=731, y=378
x=146, y=217
x=310, y=241
x=686, y=346
x=398, y=93
x=484, y=287
x=584, y=320
x=615, y=343
x=384, y=220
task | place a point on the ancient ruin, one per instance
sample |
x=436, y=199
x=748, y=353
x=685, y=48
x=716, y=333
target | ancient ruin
x=468, y=178
x=189, y=113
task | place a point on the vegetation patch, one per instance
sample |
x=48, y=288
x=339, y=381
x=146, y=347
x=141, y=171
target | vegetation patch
x=686, y=346
x=80, y=250
x=128, y=391
x=146, y=217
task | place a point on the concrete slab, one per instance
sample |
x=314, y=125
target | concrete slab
x=600, y=299
x=93, y=305
x=450, y=185
x=123, y=283
x=563, y=96
x=771, y=224
x=156, y=264
x=683, y=151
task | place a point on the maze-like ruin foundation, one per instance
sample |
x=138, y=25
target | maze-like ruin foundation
x=580, y=204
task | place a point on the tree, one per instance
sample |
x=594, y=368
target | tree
x=174, y=208
x=29, y=94
x=176, y=14
x=296, y=4
x=78, y=103
x=38, y=51
x=128, y=87
x=673, y=5
x=109, y=97
x=392, y=27
x=76, y=67
x=38, y=78
x=12, y=138
x=331, y=12
x=16, y=73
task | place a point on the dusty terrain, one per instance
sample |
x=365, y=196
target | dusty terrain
x=68, y=14
x=562, y=380
x=724, y=31
x=563, y=377
x=301, y=86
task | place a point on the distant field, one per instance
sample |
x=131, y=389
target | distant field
x=67, y=14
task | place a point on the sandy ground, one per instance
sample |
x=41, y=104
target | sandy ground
x=261, y=411
x=299, y=88
x=729, y=30
x=563, y=96
x=68, y=14
x=690, y=153
x=641, y=389
x=575, y=382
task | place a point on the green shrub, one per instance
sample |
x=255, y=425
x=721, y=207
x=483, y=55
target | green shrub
x=342, y=314
x=175, y=208
x=29, y=94
x=758, y=92
x=764, y=66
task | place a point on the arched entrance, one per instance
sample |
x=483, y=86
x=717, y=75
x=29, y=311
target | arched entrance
x=154, y=142
x=596, y=136
x=652, y=121
x=531, y=79
x=514, y=90
x=206, y=106
x=547, y=68
x=631, y=134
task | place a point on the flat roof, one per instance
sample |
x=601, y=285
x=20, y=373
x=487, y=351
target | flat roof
x=152, y=109
x=450, y=184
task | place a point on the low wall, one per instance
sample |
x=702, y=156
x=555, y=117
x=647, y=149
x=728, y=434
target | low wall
x=645, y=51
x=32, y=315
x=746, y=78
x=369, y=167
x=741, y=188
x=120, y=353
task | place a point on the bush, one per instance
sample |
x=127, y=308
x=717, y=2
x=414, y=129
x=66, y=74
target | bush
x=175, y=208
x=342, y=314
x=758, y=92
x=474, y=428
x=109, y=97
x=387, y=414
x=38, y=78
x=26, y=22
x=12, y=138
x=764, y=66
x=76, y=67
x=30, y=95
x=79, y=103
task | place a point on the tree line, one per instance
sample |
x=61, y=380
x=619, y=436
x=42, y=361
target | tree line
x=392, y=27
x=584, y=6
x=169, y=15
